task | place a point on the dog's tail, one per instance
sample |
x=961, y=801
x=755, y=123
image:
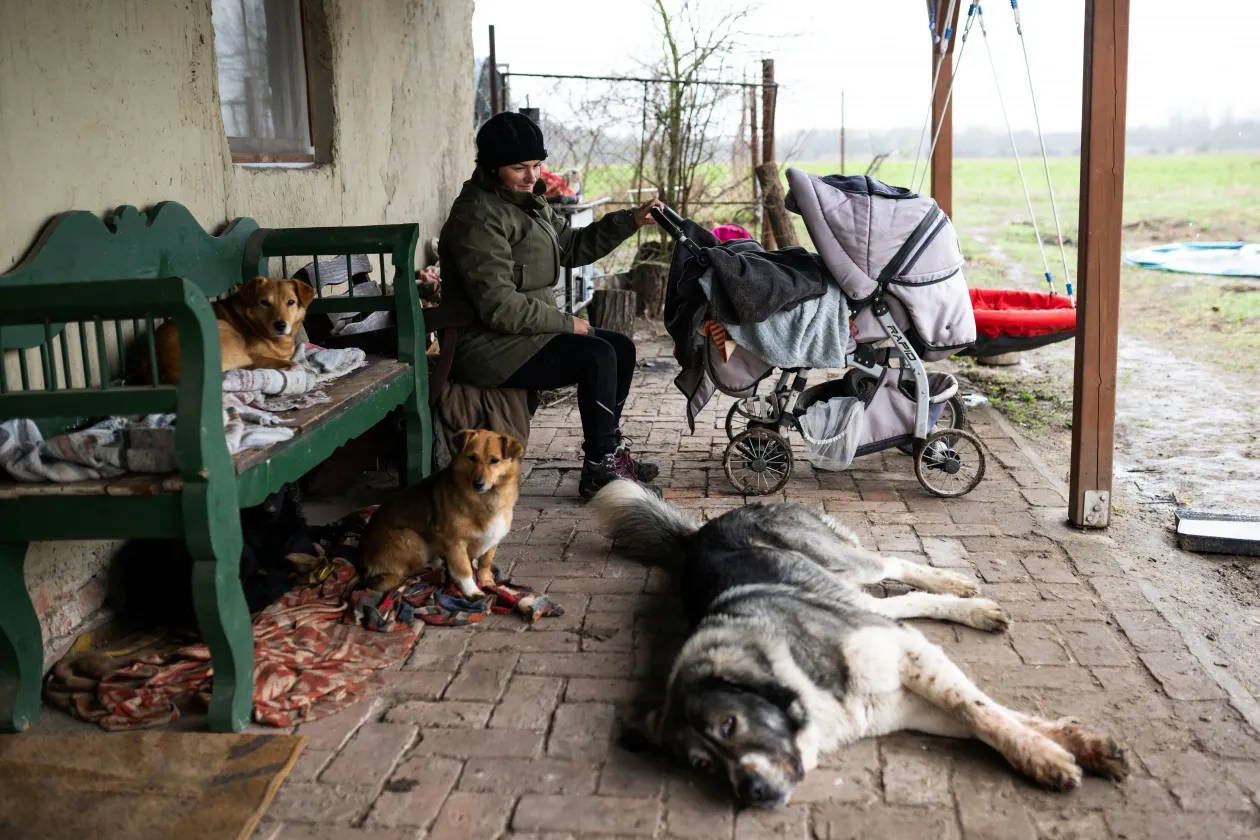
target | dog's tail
x=644, y=527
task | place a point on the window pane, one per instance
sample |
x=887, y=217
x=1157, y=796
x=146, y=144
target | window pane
x=262, y=75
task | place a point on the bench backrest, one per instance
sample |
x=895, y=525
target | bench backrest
x=78, y=246
x=166, y=241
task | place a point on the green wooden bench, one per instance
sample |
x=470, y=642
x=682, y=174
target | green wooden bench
x=88, y=288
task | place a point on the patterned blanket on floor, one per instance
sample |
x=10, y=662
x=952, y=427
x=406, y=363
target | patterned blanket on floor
x=308, y=663
x=432, y=598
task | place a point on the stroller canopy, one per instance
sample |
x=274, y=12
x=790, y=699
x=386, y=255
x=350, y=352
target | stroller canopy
x=874, y=237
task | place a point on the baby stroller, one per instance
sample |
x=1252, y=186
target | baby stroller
x=884, y=294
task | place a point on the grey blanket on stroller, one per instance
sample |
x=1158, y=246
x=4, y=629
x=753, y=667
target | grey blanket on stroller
x=814, y=333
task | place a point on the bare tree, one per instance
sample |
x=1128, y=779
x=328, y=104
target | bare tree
x=685, y=132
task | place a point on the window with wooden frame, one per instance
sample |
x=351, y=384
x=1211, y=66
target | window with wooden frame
x=272, y=81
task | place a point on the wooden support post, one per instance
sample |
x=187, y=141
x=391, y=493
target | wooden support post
x=943, y=155
x=778, y=220
x=768, y=92
x=1098, y=261
x=494, y=77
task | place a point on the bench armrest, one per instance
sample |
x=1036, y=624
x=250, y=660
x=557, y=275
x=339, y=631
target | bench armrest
x=399, y=241
x=200, y=445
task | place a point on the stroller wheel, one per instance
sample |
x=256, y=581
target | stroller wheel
x=749, y=410
x=949, y=462
x=758, y=462
x=953, y=416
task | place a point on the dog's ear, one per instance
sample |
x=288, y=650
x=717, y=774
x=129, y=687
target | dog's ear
x=641, y=735
x=775, y=692
x=513, y=449
x=462, y=438
x=305, y=294
x=786, y=699
x=250, y=290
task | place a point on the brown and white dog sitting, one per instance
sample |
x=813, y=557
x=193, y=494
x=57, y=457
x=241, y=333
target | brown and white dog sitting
x=257, y=325
x=456, y=515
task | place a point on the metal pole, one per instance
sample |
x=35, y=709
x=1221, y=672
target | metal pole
x=767, y=109
x=755, y=152
x=638, y=172
x=767, y=145
x=494, y=77
x=841, y=132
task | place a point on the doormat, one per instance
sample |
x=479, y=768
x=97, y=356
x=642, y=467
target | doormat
x=140, y=785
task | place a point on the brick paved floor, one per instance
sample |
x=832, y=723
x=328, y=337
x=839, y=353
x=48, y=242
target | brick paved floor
x=505, y=731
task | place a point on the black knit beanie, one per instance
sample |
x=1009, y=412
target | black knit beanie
x=509, y=138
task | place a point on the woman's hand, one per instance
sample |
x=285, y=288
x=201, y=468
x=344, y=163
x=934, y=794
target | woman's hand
x=643, y=215
x=581, y=326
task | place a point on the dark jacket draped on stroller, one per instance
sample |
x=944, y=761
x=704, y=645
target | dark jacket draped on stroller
x=742, y=284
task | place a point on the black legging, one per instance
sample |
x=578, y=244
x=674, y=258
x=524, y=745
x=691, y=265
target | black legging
x=601, y=364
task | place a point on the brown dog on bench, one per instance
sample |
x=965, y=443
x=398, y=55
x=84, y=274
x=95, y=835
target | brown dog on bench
x=257, y=325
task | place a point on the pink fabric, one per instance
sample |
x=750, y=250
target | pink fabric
x=725, y=233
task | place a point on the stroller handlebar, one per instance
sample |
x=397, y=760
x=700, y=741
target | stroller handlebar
x=671, y=223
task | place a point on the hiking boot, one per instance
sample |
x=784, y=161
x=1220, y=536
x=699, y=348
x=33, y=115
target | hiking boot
x=638, y=469
x=598, y=474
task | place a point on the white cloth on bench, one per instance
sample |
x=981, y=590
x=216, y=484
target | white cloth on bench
x=107, y=449
x=119, y=445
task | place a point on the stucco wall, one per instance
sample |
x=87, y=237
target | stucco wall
x=109, y=102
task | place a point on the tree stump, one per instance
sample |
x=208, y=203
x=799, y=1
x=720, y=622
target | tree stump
x=648, y=277
x=614, y=309
x=778, y=216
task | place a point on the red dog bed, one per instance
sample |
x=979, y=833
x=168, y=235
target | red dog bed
x=1013, y=320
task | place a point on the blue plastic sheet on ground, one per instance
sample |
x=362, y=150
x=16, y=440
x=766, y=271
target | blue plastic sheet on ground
x=1225, y=259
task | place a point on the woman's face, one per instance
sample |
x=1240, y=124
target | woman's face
x=522, y=176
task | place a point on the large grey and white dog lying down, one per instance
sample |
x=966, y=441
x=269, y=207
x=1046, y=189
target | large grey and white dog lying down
x=789, y=659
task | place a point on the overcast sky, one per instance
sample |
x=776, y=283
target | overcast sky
x=1193, y=59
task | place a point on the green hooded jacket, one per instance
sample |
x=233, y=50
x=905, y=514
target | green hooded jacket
x=502, y=251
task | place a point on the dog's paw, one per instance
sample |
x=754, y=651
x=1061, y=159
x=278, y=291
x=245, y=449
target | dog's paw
x=469, y=588
x=952, y=583
x=987, y=615
x=1099, y=754
x=1054, y=769
x=1104, y=757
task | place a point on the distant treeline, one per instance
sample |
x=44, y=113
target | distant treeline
x=1178, y=137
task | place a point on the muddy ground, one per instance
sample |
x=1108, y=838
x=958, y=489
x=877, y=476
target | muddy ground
x=1187, y=435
